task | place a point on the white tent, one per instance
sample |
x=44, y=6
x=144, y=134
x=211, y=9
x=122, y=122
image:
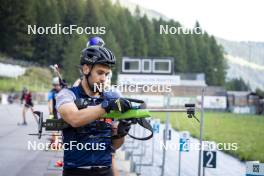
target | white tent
x=13, y=71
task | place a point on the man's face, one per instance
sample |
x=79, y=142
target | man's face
x=99, y=75
x=57, y=87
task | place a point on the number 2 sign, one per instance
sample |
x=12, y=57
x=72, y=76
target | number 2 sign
x=209, y=159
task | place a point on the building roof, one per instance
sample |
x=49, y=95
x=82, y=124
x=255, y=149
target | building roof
x=239, y=93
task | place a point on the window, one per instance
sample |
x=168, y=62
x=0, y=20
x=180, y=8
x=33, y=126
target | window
x=131, y=65
x=161, y=66
x=146, y=65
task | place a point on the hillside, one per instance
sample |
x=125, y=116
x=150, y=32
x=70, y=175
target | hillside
x=253, y=52
x=151, y=14
x=245, y=60
x=126, y=34
x=36, y=79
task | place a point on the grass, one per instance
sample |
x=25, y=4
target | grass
x=245, y=130
x=36, y=79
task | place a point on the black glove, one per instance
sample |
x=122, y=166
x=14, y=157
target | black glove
x=121, y=104
x=123, y=128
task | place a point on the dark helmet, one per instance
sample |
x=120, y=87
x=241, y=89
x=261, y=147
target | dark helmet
x=95, y=41
x=97, y=55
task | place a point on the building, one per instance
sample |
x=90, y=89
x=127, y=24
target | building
x=184, y=88
x=244, y=102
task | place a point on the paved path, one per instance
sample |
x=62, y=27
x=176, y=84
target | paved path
x=226, y=164
x=16, y=159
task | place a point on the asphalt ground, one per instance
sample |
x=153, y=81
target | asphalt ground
x=226, y=165
x=17, y=157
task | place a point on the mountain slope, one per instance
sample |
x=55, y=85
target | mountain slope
x=245, y=60
x=252, y=52
x=250, y=72
x=132, y=7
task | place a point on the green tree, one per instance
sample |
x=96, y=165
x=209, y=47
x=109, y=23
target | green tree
x=237, y=85
x=140, y=44
x=15, y=16
x=71, y=57
x=126, y=34
x=73, y=13
x=48, y=47
x=260, y=92
x=219, y=63
x=161, y=47
x=148, y=29
x=177, y=50
x=112, y=44
x=123, y=33
x=93, y=13
x=192, y=54
x=110, y=14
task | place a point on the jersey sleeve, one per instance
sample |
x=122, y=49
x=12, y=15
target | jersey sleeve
x=64, y=96
x=50, y=95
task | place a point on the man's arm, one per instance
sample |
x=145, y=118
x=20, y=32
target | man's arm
x=117, y=143
x=50, y=102
x=76, y=118
x=50, y=106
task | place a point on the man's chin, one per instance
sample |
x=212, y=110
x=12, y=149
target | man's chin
x=99, y=88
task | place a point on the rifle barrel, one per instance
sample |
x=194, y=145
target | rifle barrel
x=169, y=110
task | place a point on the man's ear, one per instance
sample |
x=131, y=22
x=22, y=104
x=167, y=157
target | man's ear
x=85, y=69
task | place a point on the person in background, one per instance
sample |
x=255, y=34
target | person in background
x=27, y=104
x=52, y=97
x=23, y=92
x=54, y=140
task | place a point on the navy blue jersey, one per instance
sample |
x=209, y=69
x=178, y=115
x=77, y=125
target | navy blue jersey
x=96, y=136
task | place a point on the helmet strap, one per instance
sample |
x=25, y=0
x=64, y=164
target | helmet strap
x=90, y=85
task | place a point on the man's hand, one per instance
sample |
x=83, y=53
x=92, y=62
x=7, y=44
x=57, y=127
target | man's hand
x=51, y=116
x=121, y=104
x=123, y=128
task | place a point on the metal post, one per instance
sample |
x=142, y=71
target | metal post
x=203, y=171
x=165, y=137
x=153, y=151
x=133, y=141
x=179, y=172
x=141, y=156
x=201, y=133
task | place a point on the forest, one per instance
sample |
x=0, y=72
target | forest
x=126, y=34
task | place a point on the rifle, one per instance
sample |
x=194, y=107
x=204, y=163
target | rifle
x=56, y=70
x=135, y=116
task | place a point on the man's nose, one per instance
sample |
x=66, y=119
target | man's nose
x=103, y=78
